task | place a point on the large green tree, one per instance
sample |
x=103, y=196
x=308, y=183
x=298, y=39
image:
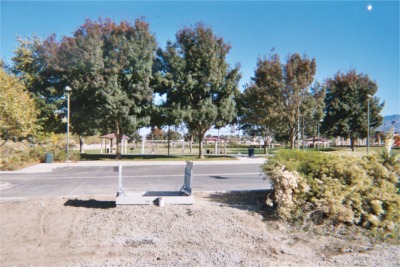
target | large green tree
x=298, y=75
x=279, y=95
x=44, y=85
x=109, y=67
x=259, y=114
x=346, y=112
x=198, y=84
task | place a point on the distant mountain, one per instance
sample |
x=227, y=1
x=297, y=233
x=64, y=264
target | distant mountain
x=388, y=122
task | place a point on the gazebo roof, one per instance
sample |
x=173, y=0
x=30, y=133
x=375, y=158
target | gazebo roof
x=112, y=136
x=215, y=139
x=317, y=139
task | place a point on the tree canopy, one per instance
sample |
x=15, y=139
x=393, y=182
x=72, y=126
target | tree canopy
x=196, y=80
x=346, y=112
x=115, y=69
x=109, y=68
x=279, y=96
x=42, y=82
x=259, y=114
x=18, y=114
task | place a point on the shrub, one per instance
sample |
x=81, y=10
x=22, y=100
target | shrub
x=37, y=152
x=333, y=189
x=16, y=155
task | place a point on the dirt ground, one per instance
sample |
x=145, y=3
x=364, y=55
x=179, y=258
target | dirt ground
x=219, y=230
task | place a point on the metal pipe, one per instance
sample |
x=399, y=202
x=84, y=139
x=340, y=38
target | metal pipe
x=369, y=96
x=68, y=128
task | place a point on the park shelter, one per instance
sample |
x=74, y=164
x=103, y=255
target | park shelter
x=107, y=141
x=316, y=141
x=217, y=141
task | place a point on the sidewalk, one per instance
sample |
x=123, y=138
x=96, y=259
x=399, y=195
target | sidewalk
x=49, y=167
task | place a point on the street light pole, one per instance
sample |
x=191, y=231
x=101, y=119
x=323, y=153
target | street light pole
x=298, y=128
x=368, y=97
x=67, y=90
x=320, y=121
x=318, y=136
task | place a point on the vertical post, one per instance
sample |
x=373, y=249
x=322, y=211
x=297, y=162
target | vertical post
x=68, y=128
x=298, y=128
x=318, y=136
x=368, y=97
x=218, y=145
x=143, y=141
x=238, y=143
x=187, y=182
x=120, y=176
x=298, y=133
x=169, y=137
x=67, y=89
x=120, y=188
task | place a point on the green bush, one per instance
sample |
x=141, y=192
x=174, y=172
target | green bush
x=16, y=155
x=333, y=189
x=37, y=152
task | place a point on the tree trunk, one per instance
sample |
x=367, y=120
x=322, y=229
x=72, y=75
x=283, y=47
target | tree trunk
x=118, y=134
x=118, y=145
x=201, y=152
x=169, y=139
x=81, y=143
x=352, y=143
x=265, y=146
x=191, y=144
x=292, y=136
x=292, y=140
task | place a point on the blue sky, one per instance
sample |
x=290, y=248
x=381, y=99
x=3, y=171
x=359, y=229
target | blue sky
x=340, y=35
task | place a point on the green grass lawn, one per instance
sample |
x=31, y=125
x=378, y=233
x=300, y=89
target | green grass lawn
x=161, y=153
x=154, y=157
x=363, y=150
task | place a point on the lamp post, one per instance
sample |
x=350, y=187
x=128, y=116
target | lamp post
x=321, y=120
x=298, y=128
x=67, y=90
x=368, y=97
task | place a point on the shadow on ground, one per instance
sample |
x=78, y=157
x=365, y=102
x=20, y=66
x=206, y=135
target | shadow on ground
x=90, y=204
x=219, y=177
x=253, y=201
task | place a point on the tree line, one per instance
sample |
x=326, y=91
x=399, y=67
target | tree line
x=117, y=69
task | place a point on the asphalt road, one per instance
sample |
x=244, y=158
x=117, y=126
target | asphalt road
x=101, y=180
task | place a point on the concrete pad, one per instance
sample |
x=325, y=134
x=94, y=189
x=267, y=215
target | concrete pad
x=154, y=198
x=182, y=197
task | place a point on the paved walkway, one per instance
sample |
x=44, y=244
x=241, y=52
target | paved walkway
x=48, y=167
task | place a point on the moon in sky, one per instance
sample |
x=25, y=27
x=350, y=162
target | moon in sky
x=369, y=7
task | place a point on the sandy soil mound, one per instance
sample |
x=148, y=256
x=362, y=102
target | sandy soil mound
x=219, y=230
